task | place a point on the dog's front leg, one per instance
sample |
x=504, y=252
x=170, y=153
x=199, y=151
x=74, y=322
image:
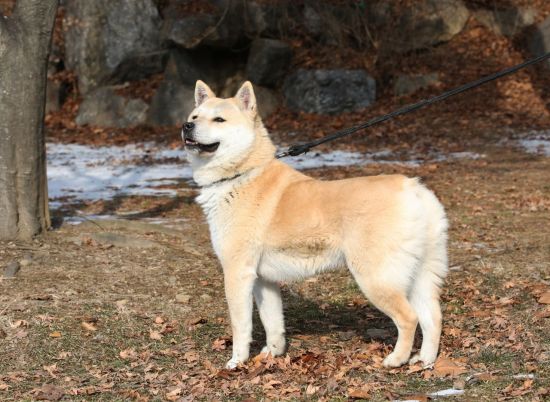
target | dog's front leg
x=270, y=306
x=239, y=283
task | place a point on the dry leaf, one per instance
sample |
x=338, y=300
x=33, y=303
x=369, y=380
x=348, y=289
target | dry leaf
x=155, y=335
x=127, y=353
x=173, y=395
x=88, y=326
x=545, y=298
x=446, y=367
x=311, y=389
x=48, y=393
x=359, y=393
x=219, y=344
x=55, y=334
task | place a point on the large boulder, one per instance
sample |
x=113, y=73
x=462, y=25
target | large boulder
x=408, y=84
x=268, y=101
x=329, y=91
x=103, y=37
x=188, y=32
x=508, y=21
x=171, y=104
x=213, y=66
x=425, y=23
x=539, y=39
x=103, y=107
x=268, y=61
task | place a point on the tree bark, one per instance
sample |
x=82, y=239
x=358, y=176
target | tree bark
x=25, y=39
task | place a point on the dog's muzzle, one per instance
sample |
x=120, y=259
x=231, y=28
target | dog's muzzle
x=191, y=143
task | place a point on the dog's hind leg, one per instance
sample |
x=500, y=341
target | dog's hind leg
x=270, y=306
x=424, y=298
x=379, y=286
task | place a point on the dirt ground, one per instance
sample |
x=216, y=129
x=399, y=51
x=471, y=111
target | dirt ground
x=142, y=316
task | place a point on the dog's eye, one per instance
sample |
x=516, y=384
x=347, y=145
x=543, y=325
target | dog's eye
x=219, y=119
x=194, y=117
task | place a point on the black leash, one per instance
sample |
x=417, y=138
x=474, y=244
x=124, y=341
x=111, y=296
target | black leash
x=297, y=149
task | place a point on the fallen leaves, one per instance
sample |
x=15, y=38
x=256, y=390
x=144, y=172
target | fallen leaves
x=155, y=335
x=445, y=367
x=544, y=298
x=55, y=334
x=221, y=343
x=88, y=326
x=360, y=393
x=48, y=393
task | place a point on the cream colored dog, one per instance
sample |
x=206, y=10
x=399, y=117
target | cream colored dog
x=271, y=223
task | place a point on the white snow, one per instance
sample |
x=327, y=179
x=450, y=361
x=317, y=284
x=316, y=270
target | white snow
x=447, y=392
x=80, y=172
x=86, y=173
x=536, y=142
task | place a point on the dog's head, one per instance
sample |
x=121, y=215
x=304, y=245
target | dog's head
x=218, y=127
x=225, y=136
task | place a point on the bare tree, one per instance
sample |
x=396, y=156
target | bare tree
x=25, y=40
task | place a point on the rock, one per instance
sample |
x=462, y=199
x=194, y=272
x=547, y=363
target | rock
x=11, y=269
x=407, y=84
x=171, y=104
x=268, y=101
x=539, y=39
x=229, y=26
x=329, y=91
x=206, y=297
x=183, y=298
x=377, y=333
x=265, y=18
x=118, y=240
x=190, y=31
x=427, y=23
x=507, y=22
x=187, y=67
x=102, y=35
x=140, y=66
x=268, y=61
x=312, y=20
x=104, y=108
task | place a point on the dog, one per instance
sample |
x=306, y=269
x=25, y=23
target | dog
x=270, y=223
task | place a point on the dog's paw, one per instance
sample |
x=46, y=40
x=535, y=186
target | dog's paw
x=426, y=360
x=273, y=349
x=393, y=360
x=233, y=363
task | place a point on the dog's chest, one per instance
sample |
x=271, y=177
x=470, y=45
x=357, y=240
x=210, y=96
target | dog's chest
x=217, y=205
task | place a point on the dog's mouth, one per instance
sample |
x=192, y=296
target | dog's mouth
x=192, y=144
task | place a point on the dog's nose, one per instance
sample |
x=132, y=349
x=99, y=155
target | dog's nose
x=187, y=127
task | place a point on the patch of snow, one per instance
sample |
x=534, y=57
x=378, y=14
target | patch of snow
x=536, y=142
x=447, y=392
x=523, y=376
x=80, y=172
x=85, y=173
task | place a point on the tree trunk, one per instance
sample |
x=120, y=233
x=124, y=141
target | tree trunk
x=25, y=39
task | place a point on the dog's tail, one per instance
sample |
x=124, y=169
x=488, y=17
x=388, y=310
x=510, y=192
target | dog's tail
x=424, y=295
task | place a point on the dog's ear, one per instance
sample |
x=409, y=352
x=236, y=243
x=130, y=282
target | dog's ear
x=246, y=98
x=202, y=93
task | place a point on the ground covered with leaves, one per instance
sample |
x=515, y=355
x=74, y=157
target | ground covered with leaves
x=130, y=310
x=134, y=308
